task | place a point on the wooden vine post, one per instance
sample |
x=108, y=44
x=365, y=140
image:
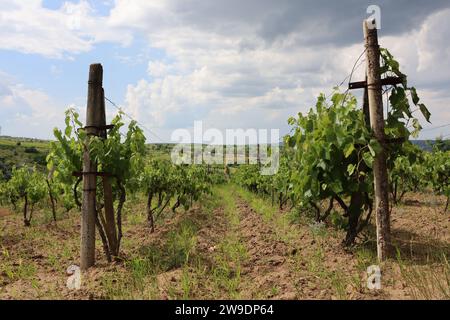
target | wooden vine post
x=92, y=218
x=366, y=110
x=374, y=91
x=88, y=209
x=109, y=221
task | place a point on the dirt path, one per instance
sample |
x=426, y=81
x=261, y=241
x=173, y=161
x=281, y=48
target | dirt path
x=288, y=262
x=267, y=272
x=4, y=212
x=237, y=255
x=293, y=261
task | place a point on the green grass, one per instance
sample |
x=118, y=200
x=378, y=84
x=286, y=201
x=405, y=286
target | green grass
x=213, y=274
x=260, y=205
x=230, y=253
x=429, y=282
x=176, y=251
x=13, y=152
x=14, y=269
x=288, y=228
x=282, y=223
x=153, y=260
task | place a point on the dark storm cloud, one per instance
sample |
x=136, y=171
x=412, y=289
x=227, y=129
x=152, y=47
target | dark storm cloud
x=248, y=58
x=312, y=22
x=340, y=22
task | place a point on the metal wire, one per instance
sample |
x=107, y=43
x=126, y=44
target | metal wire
x=131, y=118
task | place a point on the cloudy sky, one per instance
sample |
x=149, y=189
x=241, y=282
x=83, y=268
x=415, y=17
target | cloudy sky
x=230, y=63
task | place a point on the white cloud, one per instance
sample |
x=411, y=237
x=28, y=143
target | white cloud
x=141, y=14
x=231, y=63
x=159, y=69
x=234, y=79
x=424, y=55
x=434, y=47
x=217, y=79
x=28, y=27
x=26, y=112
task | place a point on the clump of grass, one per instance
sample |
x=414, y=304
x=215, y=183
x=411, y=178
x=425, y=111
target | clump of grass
x=274, y=290
x=339, y=284
x=140, y=280
x=24, y=270
x=318, y=229
x=315, y=263
x=210, y=202
x=336, y=279
x=428, y=282
x=260, y=205
x=365, y=257
x=136, y=219
x=228, y=265
x=187, y=282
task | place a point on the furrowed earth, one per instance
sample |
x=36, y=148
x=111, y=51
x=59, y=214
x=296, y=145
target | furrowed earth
x=231, y=245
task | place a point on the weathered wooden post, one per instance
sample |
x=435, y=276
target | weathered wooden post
x=88, y=209
x=366, y=110
x=110, y=221
x=377, y=123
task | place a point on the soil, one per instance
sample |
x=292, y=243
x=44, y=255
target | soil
x=297, y=261
x=4, y=212
x=267, y=266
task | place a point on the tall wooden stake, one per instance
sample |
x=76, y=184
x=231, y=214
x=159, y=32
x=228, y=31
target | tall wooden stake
x=377, y=124
x=110, y=226
x=366, y=110
x=88, y=209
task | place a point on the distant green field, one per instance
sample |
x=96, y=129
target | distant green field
x=24, y=142
x=22, y=152
x=33, y=152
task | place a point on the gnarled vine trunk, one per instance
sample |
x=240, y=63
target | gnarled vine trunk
x=150, y=217
x=108, y=225
x=52, y=200
x=26, y=220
